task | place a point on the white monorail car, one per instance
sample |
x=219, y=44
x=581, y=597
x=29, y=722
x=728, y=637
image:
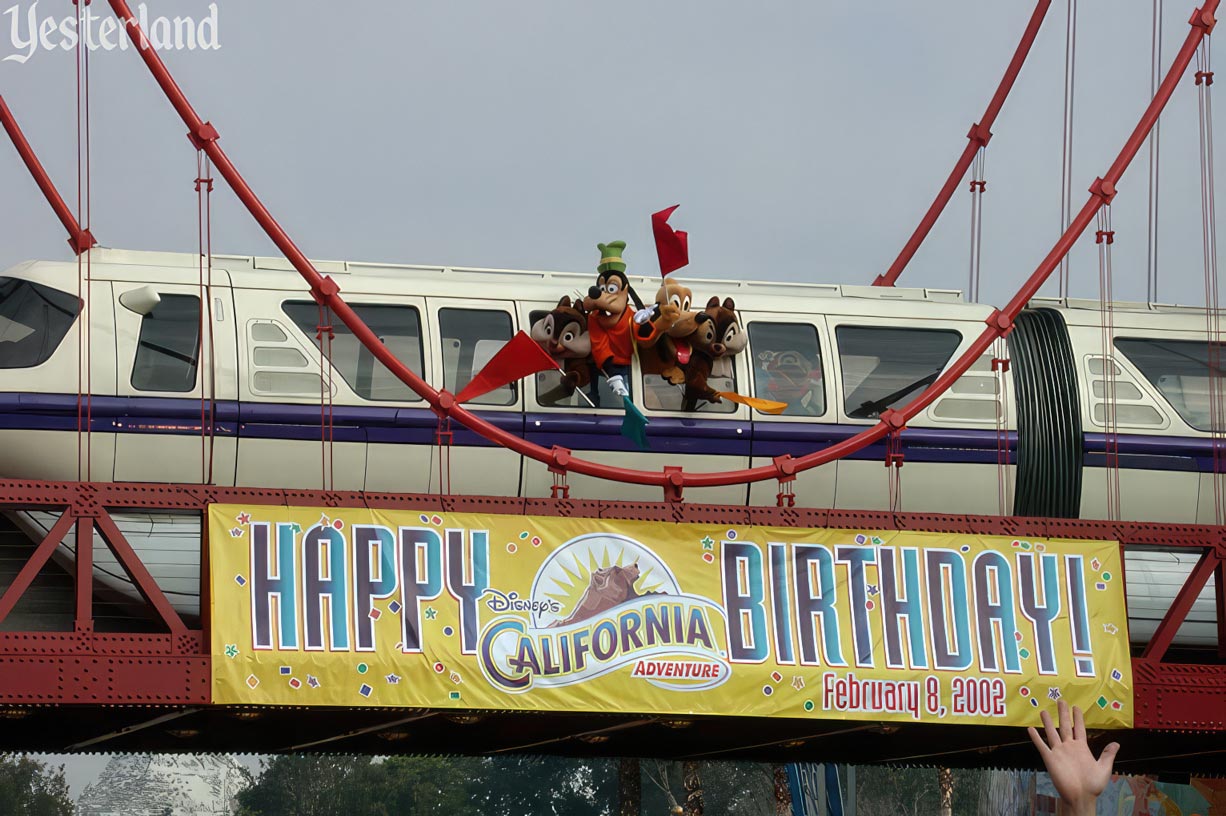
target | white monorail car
x=839, y=355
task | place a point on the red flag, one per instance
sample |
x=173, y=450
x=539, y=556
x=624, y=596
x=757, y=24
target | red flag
x=517, y=359
x=672, y=246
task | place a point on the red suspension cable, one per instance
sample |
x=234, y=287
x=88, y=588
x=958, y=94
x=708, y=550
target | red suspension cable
x=1155, y=71
x=1066, y=160
x=205, y=136
x=1213, y=326
x=1105, y=238
x=208, y=379
x=79, y=239
x=979, y=186
x=85, y=399
x=978, y=137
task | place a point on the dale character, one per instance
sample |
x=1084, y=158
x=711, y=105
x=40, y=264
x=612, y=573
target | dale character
x=719, y=336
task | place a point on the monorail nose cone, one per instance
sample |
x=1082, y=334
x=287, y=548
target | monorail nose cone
x=594, y=292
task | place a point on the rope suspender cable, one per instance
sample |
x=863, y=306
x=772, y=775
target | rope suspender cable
x=1104, y=238
x=1066, y=162
x=323, y=333
x=1155, y=76
x=208, y=384
x=978, y=187
x=1000, y=366
x=443, y=437
x=1213, y=326
x=1000, y=362
x=84, y=259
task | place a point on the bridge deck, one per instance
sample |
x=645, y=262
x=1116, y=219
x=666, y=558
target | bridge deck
x=65, y=684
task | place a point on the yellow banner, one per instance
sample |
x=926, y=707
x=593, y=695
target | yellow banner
x=343, y=607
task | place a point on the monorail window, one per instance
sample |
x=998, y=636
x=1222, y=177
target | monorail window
x=397, y=326
x=33, y=321
x=1180, y=370
x=169, y=346
x=661, y=395
x=787, y=366
x=884, y=367
x=470, y=338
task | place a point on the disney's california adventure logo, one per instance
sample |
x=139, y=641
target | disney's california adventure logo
x=599, y=603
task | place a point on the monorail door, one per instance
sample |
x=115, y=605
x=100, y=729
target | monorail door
x=791, y=356
x=466, y=334
x=177, y=372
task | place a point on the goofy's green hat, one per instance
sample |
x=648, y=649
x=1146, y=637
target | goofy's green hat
x=611, y=257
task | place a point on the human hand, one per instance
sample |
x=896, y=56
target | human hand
x=1078, y=777
x=643, y=315
x=618, y=385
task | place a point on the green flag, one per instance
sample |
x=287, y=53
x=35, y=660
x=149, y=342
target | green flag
x=634, y=425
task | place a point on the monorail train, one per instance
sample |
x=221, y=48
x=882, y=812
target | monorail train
x=837, y=355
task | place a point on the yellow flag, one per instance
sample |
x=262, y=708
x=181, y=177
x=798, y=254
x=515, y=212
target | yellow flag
x=764, y=405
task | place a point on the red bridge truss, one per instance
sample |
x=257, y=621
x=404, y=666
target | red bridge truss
x=93, y=689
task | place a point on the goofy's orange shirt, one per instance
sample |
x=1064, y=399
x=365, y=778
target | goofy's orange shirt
x=615, y=345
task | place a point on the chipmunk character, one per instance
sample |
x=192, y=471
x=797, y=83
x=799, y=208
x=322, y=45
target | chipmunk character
x=563, y=334
x=668, y=330
x=719, y=336
x=609, y=318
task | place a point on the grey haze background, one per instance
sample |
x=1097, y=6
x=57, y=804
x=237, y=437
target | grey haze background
x=803, y=139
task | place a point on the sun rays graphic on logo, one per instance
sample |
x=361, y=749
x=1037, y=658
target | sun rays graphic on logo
x=598, y=569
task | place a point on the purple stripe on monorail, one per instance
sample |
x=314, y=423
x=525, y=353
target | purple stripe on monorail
x=771, y=439
x=666, y=435
x=1153, y=452
x=577, y=431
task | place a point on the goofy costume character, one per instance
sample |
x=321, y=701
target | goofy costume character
x=610, y=320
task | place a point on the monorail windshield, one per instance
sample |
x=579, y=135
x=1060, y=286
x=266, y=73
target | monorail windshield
x=33, y=321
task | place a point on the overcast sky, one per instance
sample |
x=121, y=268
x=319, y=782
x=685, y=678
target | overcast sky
x=802, y=139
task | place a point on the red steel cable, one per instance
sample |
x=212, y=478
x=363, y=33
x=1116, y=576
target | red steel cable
x=79, y=239
x=1066, y=159
x=208, y=248
x=978, y=138
x=89, y=267
x=1105, y=238
x=82, y=290
x=1155, y=71
x=205, y=136
x=1213, y=328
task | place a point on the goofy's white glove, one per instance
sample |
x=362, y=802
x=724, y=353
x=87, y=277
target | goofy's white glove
x=643, y=315
x=618, y=384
